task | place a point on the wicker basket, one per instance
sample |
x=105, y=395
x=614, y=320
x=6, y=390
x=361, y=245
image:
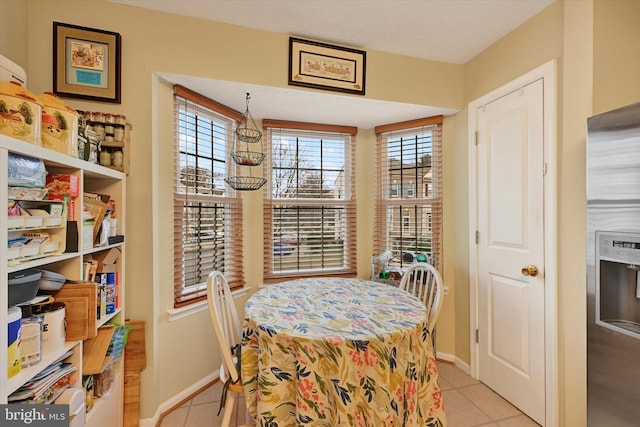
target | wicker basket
x=245, y=183
x=247, y=158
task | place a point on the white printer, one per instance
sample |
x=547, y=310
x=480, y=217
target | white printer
x=12, y=72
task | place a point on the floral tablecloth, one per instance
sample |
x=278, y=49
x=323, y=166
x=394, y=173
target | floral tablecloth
x=339, y=352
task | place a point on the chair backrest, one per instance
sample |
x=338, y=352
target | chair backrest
x=424, y=281
x=226, y=322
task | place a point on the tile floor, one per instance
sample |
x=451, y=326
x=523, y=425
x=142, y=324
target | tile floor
x=468, y=403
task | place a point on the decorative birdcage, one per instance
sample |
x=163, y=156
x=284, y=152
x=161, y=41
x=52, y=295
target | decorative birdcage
x=244, y=153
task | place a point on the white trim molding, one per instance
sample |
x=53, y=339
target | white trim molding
x=183, y=395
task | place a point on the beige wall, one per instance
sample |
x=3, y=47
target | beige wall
x=595, y=43
x=13, y=31
x=534, y=43
x=616, y=54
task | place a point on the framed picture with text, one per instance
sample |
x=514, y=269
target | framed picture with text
x=86, y=63
x=324, y=66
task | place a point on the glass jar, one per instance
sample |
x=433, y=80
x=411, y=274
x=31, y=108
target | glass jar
x=121, y=119
x=99, y=129
x=118, y=133
x=117, y=159
x=105, y=158
x=109, y=118
x=97, y=117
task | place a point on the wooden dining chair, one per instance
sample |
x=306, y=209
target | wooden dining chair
x=424, y=281
x=228, y=330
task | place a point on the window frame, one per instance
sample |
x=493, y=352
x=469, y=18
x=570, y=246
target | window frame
x=226, y=255
x=426, y=200
x=344, y=199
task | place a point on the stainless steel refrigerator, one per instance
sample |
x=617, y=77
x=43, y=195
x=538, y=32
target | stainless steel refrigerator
x=613, y=268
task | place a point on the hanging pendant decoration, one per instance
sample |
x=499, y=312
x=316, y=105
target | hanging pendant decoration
x=246, y=136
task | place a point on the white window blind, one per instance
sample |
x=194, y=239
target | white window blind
x=310, y=210
x=409, y=189
x=207, y=212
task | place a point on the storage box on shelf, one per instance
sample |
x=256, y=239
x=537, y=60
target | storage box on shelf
x=80, y=309
x=39, y=232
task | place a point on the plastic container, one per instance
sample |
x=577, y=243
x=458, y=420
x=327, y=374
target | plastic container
x=49, y=247
x=15, y=222
x=23, y=285
x=51, y=281
x=28, y=251
x=59, y=125
x=20, y=113
x=14, y=362
x=25, y=171
x=75, y=398
x=31, y=221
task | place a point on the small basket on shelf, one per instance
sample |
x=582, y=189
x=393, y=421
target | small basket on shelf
x=245, y=183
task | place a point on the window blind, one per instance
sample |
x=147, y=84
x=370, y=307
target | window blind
x=409, y=190
x=207, y=212
x=309, y=204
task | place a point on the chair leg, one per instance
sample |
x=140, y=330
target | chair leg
x=433, y=341
x=229, y=406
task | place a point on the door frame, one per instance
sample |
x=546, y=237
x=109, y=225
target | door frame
x=546, y=72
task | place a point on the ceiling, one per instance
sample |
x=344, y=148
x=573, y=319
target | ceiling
x=442, y=30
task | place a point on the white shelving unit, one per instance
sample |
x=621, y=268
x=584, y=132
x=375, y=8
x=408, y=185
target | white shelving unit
x=95, y=179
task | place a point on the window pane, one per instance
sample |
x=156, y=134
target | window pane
x=203, y=241
x=308, y=238
x=311, y=218
x=305, y=167
x=409, y=202
x=207, y=214
x=409, y=164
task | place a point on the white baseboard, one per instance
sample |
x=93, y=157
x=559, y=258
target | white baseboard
x=184, y=394
x=459, y=363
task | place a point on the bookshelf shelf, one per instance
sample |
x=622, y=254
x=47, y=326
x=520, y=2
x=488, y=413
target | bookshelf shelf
x=69, y=262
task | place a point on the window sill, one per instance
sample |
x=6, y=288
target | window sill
x=191, y=309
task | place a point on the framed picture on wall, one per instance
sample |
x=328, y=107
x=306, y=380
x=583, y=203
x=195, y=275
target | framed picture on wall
x=86, y=63
x=324, y=66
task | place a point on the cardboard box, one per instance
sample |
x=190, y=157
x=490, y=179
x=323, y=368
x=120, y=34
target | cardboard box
x=107, y=260
x=61, y=185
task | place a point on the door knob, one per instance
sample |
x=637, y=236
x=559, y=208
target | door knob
x=530, y=270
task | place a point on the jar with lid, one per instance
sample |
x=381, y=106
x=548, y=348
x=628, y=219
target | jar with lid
x=109, y=118
x=99, y=129
x=117, y=159
x=105, y=158
x=120, y=119
x=118, y=133
x=97, y=117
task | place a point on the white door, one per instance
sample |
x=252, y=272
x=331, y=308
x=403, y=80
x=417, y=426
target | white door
x=510, y=161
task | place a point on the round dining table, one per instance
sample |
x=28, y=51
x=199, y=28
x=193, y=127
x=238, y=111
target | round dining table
x=334, y=352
